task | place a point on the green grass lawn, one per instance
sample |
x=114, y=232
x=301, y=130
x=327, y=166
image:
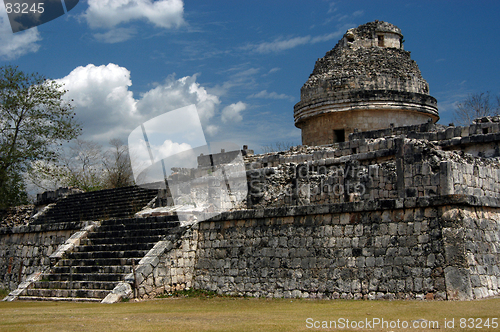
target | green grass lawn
x=237, y=314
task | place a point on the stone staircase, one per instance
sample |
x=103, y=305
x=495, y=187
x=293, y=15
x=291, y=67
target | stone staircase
x=98, y=205
x=102, y=260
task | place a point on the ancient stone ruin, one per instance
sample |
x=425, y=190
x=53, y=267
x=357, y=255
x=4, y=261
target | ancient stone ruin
x=408, y=211
x=367, y=81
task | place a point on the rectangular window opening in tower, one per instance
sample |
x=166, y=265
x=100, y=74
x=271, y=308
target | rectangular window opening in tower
x=381, y=40
x=338, y=136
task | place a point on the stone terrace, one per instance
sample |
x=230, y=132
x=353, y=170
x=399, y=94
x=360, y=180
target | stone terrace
x=402, y=162
x=407, y=212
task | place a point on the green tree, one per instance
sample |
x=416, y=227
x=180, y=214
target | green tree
x=34, y=120
x=13, y=191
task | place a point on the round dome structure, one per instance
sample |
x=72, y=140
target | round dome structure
x=366, y=82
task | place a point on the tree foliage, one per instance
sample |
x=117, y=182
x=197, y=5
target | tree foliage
x=34, y=119
x=477, y=105
x=13, y=190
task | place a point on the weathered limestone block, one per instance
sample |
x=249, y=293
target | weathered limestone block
x=122, y=291
x=458, y=284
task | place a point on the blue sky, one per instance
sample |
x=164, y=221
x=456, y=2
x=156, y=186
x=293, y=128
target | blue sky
x=241, y=62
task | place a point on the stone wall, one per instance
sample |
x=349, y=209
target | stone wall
x=447, y=247
x=380, y=169
x=370, y=68
x=481, y=234
x=366, y=35
x=26, y=249
x=442, y=247
x=172, y=264
x=372, y=167
x=474, y=180
x=320, y=129
x=392, y=249
x=478, y=139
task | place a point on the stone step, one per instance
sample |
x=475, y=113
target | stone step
x=98, y=205
x=91, y=208
x=65, y=207
x=116, y=221
x=112, y=277
x=107, y=254
x=105, y=203
x=110, y=205
x=105, y=257
x=101, y=199
x=103, y=285
x=126, y=240
x=112, y=193
x=73, y=219
x=128, y=233
x=100, y=261
x=138, y=226
x=53, y=298
x=119, y=269
x=61, y=293
x=85, y=214
x=124, y=232
x=115, y=247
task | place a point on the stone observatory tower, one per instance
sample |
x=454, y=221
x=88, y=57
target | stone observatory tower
x=366, y=82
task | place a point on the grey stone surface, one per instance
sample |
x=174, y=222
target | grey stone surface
x=121, y=291
x=458, y=284
x=403, y=253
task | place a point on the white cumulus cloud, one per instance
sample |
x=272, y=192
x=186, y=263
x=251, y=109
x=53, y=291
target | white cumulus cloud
x=173, y=94
x=169, y=148
x=176, y=154
x=101, y=98
x=212, y=129
x=107, y=108
x=232, y=112
x=110, y=13
x=14, y=45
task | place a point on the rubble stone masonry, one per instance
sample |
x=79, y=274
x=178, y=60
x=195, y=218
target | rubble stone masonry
x=447, y=248
x=25, y=250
